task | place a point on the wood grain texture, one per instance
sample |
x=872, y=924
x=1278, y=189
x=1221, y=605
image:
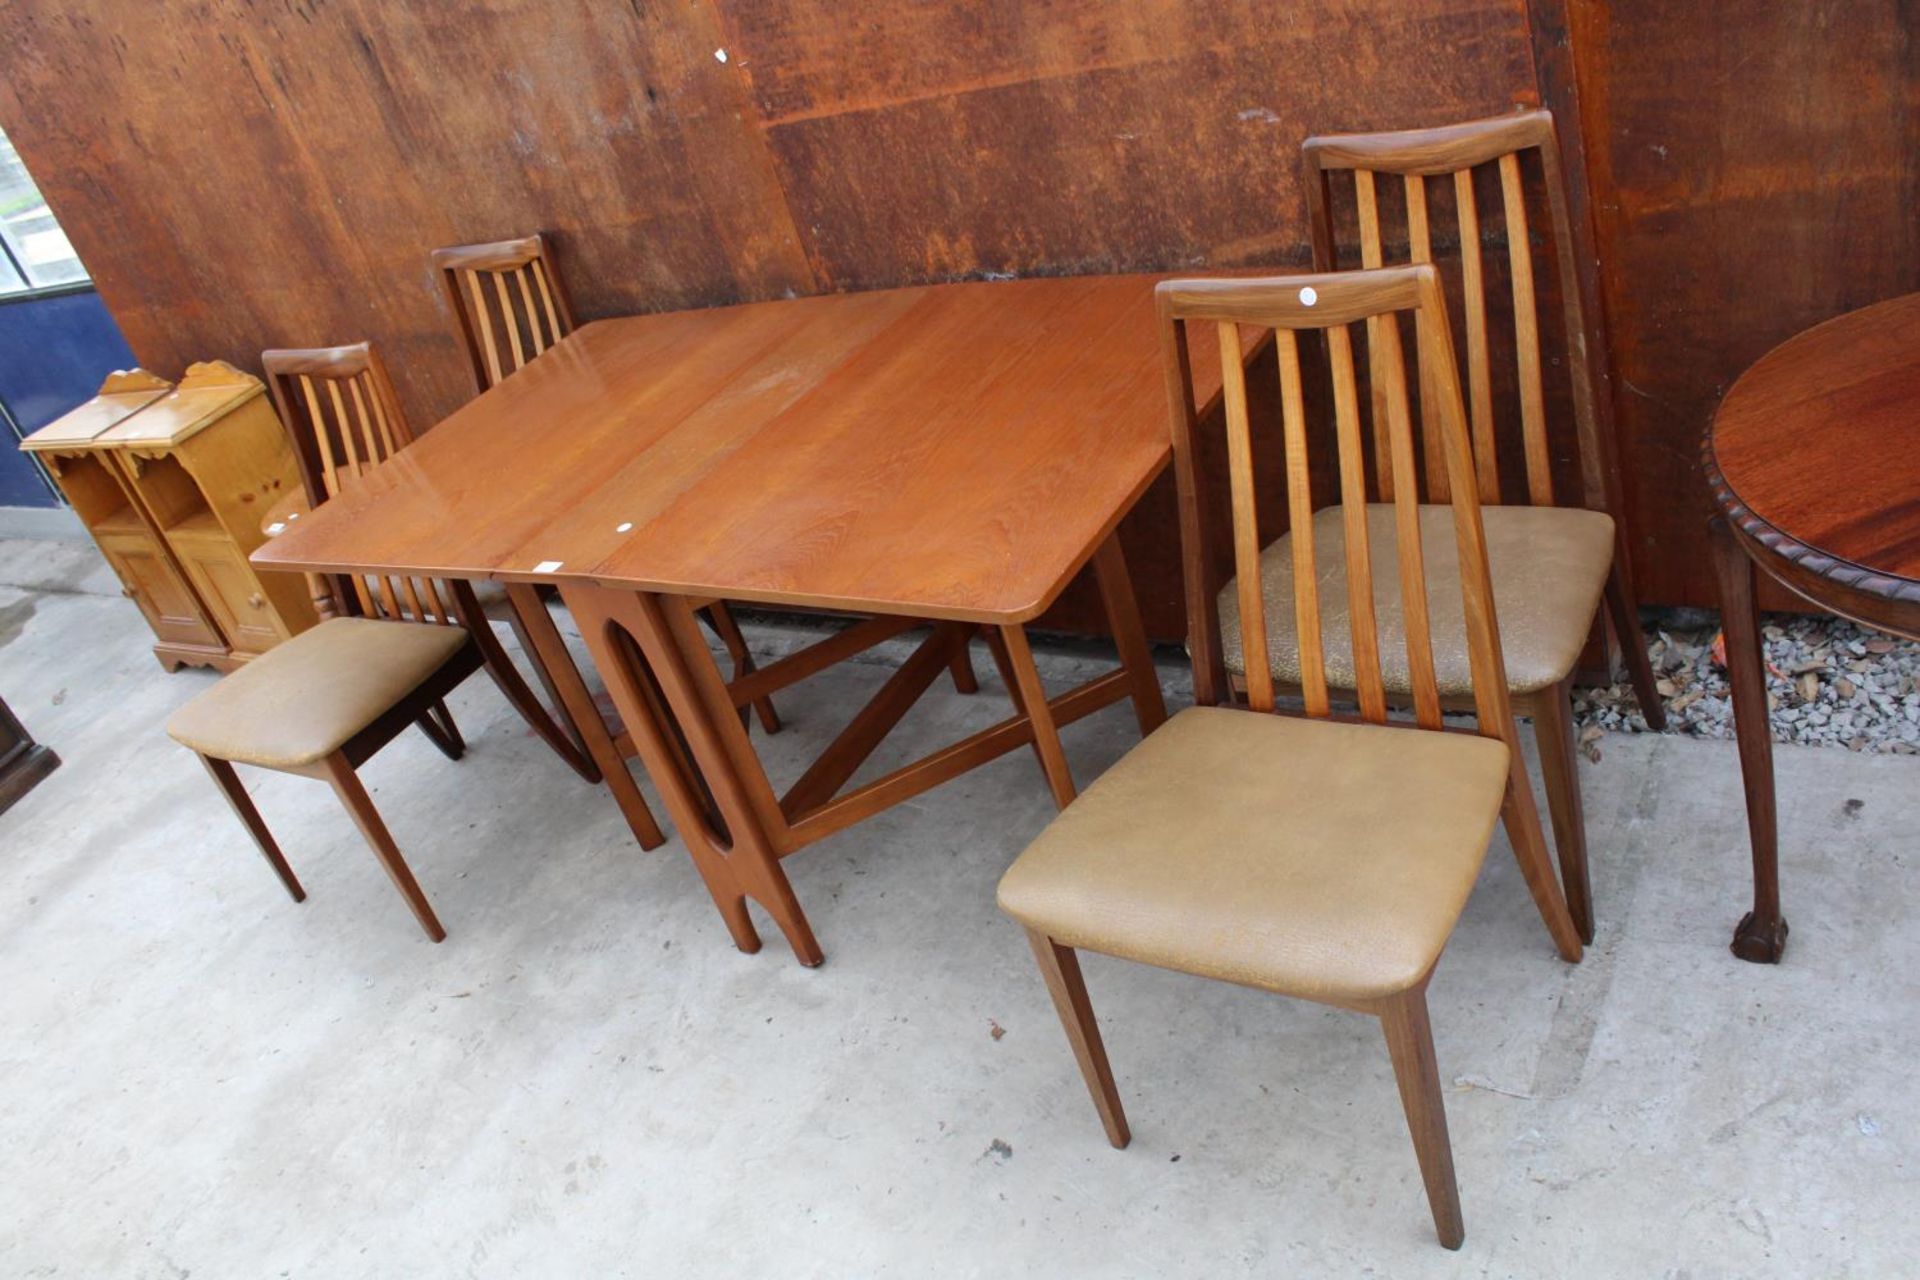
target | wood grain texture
x=805, y=452
x=241, y=174
x=1754, y=171
x=1844, y=389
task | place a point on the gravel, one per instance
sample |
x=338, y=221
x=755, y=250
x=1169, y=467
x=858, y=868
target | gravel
x=1830, y=682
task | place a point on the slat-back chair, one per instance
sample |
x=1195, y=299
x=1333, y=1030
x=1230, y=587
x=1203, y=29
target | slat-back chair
x=509, y=301
x=1553, y=571
x=387, y=651
x=511, y=305
x=344, y=419
x=1325, y=856
x=385, y=654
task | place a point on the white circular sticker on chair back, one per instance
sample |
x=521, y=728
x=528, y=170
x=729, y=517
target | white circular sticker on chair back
x=1308, y=296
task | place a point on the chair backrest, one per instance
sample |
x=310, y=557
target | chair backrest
x=343, y=418
x=1330, y=304
x=509, y=301
x=1456, y=152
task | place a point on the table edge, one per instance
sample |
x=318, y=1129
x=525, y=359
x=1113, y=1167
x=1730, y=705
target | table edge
x=1839, y=570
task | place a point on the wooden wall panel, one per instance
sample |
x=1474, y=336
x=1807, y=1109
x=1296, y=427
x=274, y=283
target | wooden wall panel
x=259, y=174
x=249, y=173
x=927, y=141
x=1754, y=169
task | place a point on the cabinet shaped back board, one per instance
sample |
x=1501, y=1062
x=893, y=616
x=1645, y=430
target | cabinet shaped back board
x=172, y=482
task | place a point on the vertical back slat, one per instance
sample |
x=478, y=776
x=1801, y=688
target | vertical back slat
x=415, y=612
x=509, y=321
x=443, y=598
x=522, y=276
x=1526, y=335
x=546, y=299
x=1306, y=578
x=390, y=434
x=329, y=471
x=1473, y=289
x=1353, y=501
x=1367, y=205
x=1246, y=532
x=362, y=415
x=344, y=426
x=1406, y=513
x=1420, y=245
x=488, y=350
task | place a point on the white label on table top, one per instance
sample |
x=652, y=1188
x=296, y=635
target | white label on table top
x=547, y=566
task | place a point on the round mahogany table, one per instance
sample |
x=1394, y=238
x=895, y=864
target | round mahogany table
x=1814, y=462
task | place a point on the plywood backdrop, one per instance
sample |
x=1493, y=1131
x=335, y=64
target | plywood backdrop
x=241, y=174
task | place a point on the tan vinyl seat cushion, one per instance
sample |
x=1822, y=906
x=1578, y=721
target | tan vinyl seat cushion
x=1315, y=858
x=1549, y=567
x=305, y=697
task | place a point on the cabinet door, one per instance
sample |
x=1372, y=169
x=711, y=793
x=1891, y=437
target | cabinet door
x=151, y=583
x=231, y=593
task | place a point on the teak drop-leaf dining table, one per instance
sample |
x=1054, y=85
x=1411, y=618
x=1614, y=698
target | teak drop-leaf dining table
x=950, y=455
x=1845, y=537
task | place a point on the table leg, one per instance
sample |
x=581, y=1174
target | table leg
x=551, y=655
x=1123, y=615
x=1762, y=933
x=1033, y=701
x=743, y=860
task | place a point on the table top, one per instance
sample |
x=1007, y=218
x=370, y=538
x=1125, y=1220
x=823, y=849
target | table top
x=1817, y=448
x=124, y=394
x=950, y=451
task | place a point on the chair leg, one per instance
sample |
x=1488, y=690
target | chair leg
x=721, y=619
x=961, y=665
x=1625, y=615
x=346, y=784
x=1552, y=713
x=437, y=723
x=1520, y=816
x=1061, y=969
x=1410, y=1044
x=242, y=804
x=544, y=724
x=538, y=658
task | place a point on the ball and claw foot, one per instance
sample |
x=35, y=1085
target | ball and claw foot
x=1760, y=941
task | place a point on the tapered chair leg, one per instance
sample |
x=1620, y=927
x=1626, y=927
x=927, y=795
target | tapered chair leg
x=346, y=784
x=1552, y=713
x=721, y=619
x=1061, y=969
x=1410, y=1043
x=437, y=723
x=1625, y=616
x=543, y=671
x=544, y=724
x=961, y=666
x=1521, y=818
x=229, y=783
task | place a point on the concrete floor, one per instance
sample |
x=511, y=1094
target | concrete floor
x=199, y=1077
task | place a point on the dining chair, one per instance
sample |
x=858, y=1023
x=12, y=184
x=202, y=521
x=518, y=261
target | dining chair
x=1552, y=565
x=511, y=305
x=384, y=656
x=386, y=652
x=1324, y=856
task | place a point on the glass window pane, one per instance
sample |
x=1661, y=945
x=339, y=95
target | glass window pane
x=33, y=241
